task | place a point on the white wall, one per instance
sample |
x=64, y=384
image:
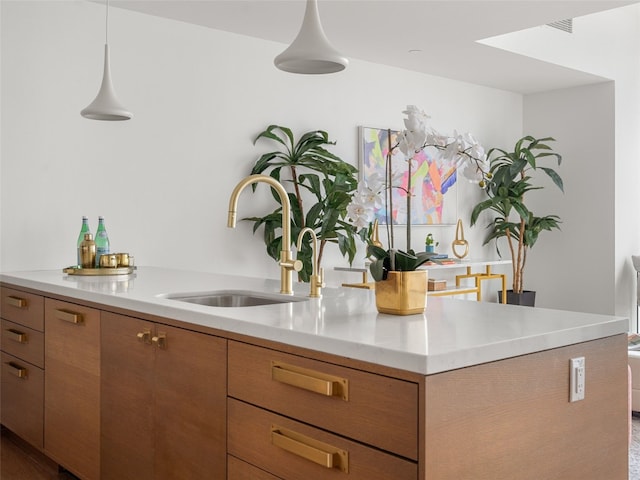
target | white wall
x=604, y=44
x=199, y=97
x=567, y=271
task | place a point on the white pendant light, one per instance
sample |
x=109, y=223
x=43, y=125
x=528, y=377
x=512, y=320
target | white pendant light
x=311, y=51
x=106, y=106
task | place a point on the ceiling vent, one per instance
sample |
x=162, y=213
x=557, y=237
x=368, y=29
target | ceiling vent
x=564, y=25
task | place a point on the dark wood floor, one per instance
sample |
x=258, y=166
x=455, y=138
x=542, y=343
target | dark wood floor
x=19, y=461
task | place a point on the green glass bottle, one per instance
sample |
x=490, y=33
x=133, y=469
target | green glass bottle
x=102, y=241
x=83, y=230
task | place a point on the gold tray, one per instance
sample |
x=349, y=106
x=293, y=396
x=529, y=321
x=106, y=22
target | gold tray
x=98, y=271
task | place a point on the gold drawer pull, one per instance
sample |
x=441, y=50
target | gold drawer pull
x=17, y=370
x=160, y=341
x=145, y=336
x=17, y=335
x=313, y=381
x=16, y=301
x=310, y=449
x=70, y=317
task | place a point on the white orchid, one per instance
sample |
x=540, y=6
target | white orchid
x=476, y=150
x=359, y=214
x=416, y=119
x=411, y=142
x=436, y=139
x=412, y=139
x=459, y=150
x=472, y=172
x=375, y=182
x=369, y=197
x=454, y=146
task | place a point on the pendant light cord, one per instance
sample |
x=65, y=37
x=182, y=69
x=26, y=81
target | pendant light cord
x=106, y=26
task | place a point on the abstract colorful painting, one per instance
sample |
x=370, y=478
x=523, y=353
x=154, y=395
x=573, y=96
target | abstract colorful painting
x=433, y=181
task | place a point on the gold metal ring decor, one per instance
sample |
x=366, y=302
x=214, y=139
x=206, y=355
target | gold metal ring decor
x=460, y=241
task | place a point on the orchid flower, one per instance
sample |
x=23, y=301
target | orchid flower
x=461, y=150
x=359, y=214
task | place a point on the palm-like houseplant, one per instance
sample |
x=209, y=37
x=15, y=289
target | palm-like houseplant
x=317, y=177
x=506, y=183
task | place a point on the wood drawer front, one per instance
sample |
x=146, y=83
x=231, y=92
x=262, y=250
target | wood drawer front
x=22, y=399
x=24, y=308
x=380, y=411
x=23, y=342
x=256, y=436
x=239, y=470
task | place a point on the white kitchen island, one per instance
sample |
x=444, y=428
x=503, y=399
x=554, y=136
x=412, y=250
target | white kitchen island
x=482, y=388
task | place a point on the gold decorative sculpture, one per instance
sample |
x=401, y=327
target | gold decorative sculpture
x=375, y=236
x=460, y=241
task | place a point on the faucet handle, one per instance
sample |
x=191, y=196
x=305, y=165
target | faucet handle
x=317, y=282
x=292, y=264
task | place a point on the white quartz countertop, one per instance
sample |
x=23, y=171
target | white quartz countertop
x=451, y=333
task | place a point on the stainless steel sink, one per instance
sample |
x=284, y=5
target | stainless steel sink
x=233, y=298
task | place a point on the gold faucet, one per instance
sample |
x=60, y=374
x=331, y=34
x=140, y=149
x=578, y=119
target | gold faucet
x=287, y=263
x=317, y=275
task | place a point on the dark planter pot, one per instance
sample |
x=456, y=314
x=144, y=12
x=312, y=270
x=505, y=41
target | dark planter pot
x=526, y=298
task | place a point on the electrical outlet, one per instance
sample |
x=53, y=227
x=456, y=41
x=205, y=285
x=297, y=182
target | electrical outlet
x=577, y=374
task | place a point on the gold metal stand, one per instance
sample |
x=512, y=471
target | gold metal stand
x=477, y=288
x=365, y=278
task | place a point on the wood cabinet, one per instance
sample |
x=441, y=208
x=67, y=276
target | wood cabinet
x=132, y=398
x=361, y=410
x=513, y=419
x=495, y=421
x=239, y=470
x=72, y=387
x=163, y=401
x=22, y=372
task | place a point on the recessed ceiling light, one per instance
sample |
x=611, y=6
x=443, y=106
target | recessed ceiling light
x=415, y=50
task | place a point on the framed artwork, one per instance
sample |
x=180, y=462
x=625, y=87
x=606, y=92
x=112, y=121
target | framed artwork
x=433, y=181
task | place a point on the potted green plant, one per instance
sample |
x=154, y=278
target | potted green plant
x=508, y=180
x=386, y=261
x=393, y=270
x=430, y=244
x=328, y=184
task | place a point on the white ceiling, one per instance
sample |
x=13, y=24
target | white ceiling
x=383, y=31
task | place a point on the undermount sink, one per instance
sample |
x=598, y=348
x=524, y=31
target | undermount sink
x=233, y=298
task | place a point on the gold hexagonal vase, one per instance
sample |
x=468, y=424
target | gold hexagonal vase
x=402, y=293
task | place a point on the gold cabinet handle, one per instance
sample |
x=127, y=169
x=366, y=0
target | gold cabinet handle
x=17, y=370
x=70, y=317
x=160, y=340
x=310, y=449
x=17, y=335
x=16, y=301
x=145, y=336
x=313, y=381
